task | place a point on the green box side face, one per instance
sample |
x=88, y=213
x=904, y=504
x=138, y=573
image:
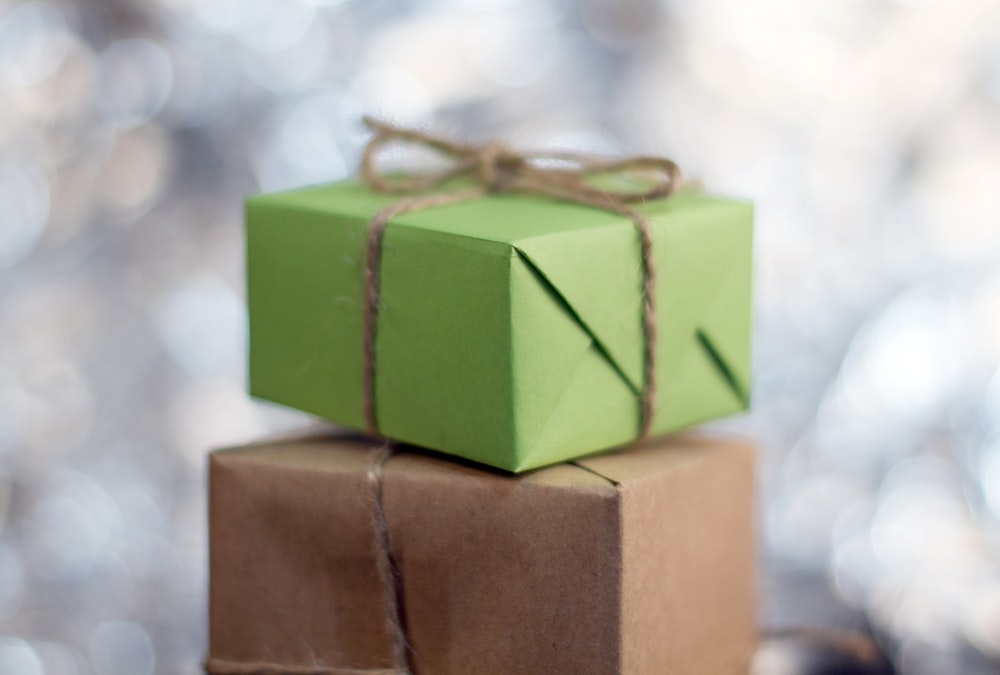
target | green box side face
x=572, y=396
x=577, y=327
x=703, y=255
x=304, y=290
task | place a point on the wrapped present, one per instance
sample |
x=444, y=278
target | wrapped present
x=329, y=556
x=512, y=329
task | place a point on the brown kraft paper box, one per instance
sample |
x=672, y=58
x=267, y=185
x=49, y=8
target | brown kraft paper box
x=638, y=562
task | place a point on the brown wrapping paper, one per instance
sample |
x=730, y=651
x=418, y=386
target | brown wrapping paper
x=639, y=561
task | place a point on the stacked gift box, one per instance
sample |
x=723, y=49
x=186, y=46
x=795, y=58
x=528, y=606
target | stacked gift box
x=514, y=524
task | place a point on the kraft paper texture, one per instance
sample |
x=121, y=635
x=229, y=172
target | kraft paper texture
x=634, y=562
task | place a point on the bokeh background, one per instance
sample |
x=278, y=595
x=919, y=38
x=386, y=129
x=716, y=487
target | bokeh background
x=867, y=131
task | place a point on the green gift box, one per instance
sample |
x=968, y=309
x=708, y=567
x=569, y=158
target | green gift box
x=509, y=327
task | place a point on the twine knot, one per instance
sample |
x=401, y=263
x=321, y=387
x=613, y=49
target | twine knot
x=497, y=166
x=494, y=168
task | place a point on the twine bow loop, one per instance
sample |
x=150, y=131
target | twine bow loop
x=495, y=168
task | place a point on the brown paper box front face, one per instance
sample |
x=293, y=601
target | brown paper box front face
x=557, y=571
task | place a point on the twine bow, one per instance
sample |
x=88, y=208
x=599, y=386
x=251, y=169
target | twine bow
x=494, y=168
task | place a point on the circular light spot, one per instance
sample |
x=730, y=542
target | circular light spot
x=24, y=203
x=391, y=93
x=203, y=324
x=17, y=656
x=33, y=42
x=136, y=80
x=121, y=648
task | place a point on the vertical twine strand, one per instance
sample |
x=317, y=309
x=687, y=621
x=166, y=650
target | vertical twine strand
x=493, y=168
x=385, y=563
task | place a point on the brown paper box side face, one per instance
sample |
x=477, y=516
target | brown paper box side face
x=706, y=545
x=556, y=571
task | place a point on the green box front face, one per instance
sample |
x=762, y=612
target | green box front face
x=509, y=327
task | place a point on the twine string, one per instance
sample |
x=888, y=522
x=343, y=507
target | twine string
x=389, y=580
x=494, y=168
x=216, y=666
x=388, y=570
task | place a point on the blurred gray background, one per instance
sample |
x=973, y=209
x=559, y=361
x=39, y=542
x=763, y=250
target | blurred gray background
x=867, y=131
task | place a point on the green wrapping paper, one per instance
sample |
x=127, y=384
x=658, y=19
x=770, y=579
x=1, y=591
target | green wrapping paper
x=509, y=327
